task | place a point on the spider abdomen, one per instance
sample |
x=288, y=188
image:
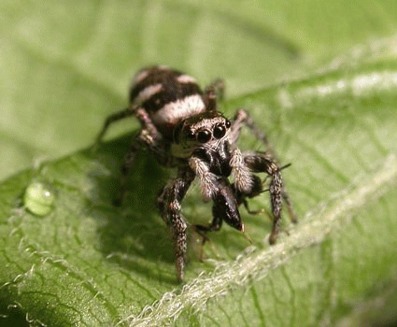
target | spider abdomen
x=168, y=96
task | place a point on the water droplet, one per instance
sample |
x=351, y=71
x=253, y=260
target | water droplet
x=39, y=198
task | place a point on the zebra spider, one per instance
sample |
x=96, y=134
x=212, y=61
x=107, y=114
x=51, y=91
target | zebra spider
x=181, y=126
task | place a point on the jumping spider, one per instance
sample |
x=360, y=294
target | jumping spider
x=181, y=126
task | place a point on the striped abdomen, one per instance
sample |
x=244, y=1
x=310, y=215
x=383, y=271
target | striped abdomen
x=169, y=96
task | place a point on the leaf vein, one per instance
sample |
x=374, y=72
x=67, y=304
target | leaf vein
x=254, y=264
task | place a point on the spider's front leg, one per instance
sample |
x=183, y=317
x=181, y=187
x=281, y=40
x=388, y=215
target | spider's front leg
x=169, y=203
x=243, y=118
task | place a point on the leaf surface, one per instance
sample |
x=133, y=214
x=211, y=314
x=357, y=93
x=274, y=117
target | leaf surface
x=89, y=263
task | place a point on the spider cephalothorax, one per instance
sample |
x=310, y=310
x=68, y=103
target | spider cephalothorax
x=181, y=126
x=204, y=131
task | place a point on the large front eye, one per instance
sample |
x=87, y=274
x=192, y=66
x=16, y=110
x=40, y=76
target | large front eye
x=219, y=131
x=204, y=136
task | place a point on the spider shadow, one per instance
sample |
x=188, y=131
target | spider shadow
x=132, y=235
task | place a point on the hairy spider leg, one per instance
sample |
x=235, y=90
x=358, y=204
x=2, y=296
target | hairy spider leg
x=260, y=163
x=243, y=118
x=169, y=204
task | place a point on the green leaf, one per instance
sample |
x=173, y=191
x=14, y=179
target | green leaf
x=89, y=263
x=67, y=65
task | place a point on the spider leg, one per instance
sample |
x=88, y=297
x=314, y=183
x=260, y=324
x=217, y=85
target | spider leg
x=213, y=92
x=218, y=189
x=215, y=225
x=202, y=230
x=218, y=87
x=250, y=211
x=259, y=162
x=208, y=180
x=225, y=208
x=147, y=137
x=169, y=203
x=243, y=193
x=243, y=118
x=265, y=162
x=127, y=112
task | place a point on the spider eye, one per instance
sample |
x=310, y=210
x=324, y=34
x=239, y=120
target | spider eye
x=219, y=131
x=228, y=123
x=204, y=136
x=190, y=135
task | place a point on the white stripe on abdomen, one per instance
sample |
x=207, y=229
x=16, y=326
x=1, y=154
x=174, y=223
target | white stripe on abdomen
x=173, y=112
